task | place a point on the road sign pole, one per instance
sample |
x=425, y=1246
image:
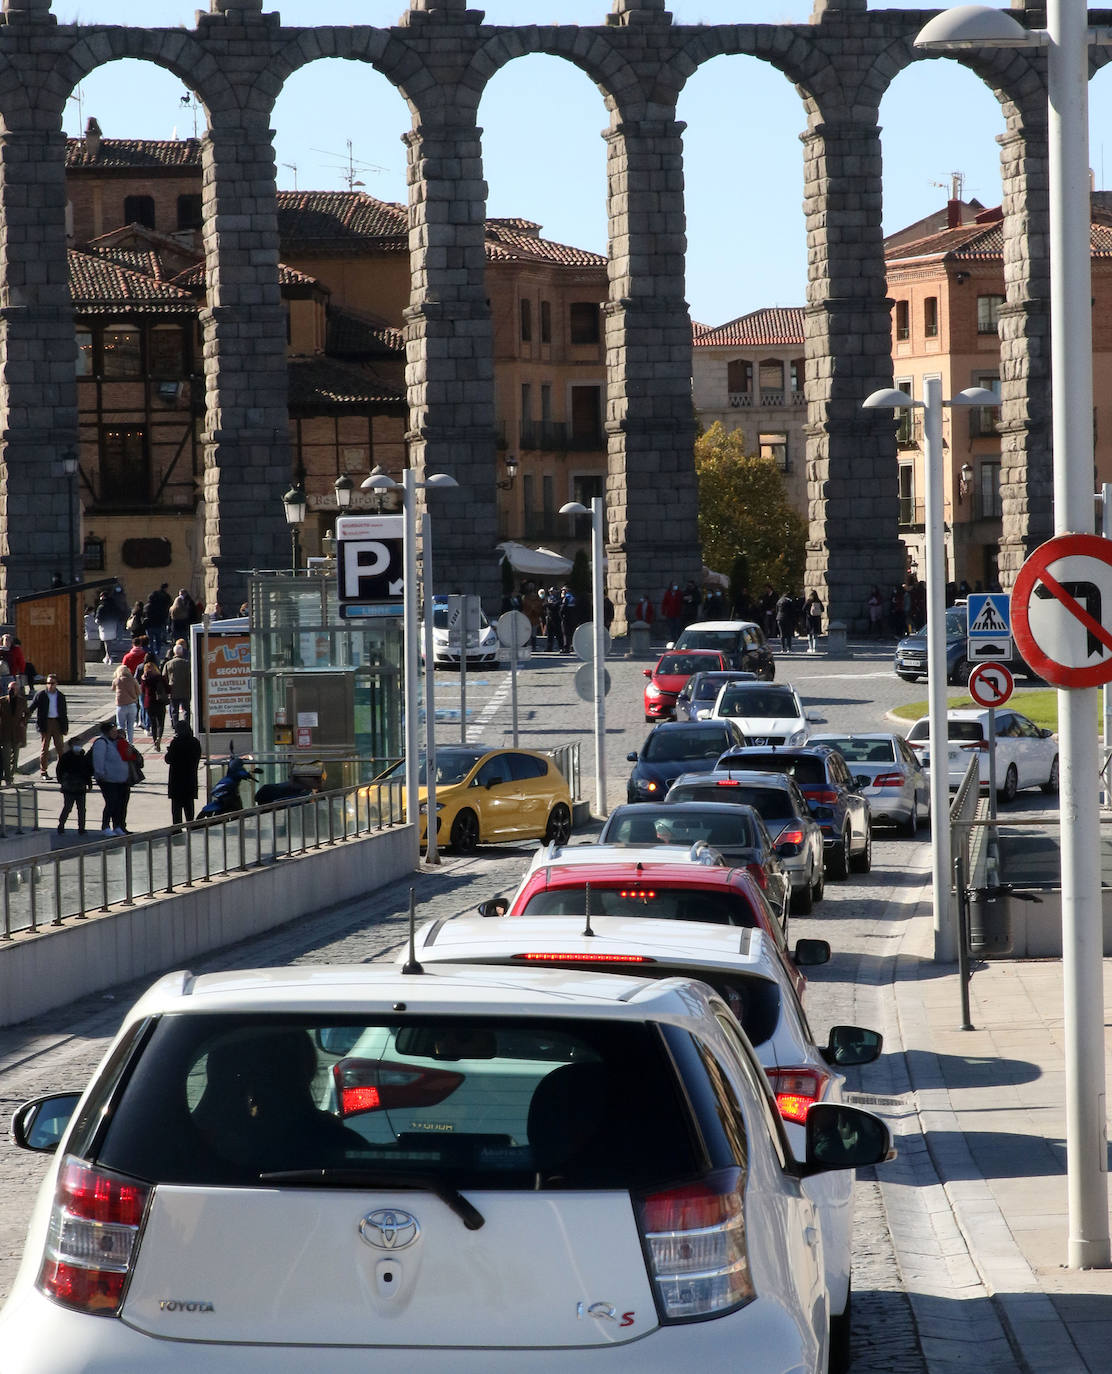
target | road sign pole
x=600, y=655
x=513, y=689
x=992, y=764
x=432, y=854
x=463, y=671
x=409, y=615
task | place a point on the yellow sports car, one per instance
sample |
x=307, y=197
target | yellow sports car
x=487, y=796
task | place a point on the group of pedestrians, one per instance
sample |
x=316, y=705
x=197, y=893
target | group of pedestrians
x=161, y=620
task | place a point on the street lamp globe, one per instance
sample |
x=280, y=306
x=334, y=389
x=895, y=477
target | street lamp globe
x=296, y=505
x=343, y=486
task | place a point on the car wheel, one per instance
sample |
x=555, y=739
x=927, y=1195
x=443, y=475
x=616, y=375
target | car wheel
x=1051, y=784
x=465, y=832
x=910, y=827
x=840, y=1338
x=837, y=865
x=558, y=829
x=803, y=899
x=1011, y=785
x=960, y=676
x=863, y=862
x=818, y=887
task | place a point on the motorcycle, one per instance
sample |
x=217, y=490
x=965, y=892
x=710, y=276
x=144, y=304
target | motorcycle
x=225, y=795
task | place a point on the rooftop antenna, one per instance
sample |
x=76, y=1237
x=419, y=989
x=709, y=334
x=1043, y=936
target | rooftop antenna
x=349, y=168
x=411, y=965
x=78, y=97
x=293, y=168
x=189, y=102
x=587, y=912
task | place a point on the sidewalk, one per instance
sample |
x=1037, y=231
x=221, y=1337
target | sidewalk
x=989, y=1244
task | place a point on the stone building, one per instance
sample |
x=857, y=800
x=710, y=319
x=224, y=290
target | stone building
x=440, y=56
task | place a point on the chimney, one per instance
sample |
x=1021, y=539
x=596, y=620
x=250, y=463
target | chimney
x=953, y=214
x=92, y=138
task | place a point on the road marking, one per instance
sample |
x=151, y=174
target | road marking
x=476, y=728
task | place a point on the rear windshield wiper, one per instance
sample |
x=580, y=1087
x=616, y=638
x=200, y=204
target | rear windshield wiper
x=471, y=1217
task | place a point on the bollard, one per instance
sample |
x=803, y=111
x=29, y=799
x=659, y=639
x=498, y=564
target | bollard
x=639, y=645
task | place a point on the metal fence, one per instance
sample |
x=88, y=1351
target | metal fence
x=19, y=810
x=566, y=759
x=69, y=884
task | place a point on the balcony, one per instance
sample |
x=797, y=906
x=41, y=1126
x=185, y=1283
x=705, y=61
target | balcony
x=556, y=436
x=911, y=511
x=767, y=400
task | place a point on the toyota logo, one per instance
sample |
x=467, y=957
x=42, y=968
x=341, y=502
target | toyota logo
x=389, y=1229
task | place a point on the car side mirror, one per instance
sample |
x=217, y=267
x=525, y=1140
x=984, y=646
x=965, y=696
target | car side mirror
x=811, y=953
x=849, y=1046
x=631, y=758
x=496, y=906
x=647, y=671
x=40, y=1124
x=1045, y=734
x=813, y=718
x=843, y=1137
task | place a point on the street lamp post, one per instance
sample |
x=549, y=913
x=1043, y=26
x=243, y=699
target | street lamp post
x=596, y=514
x=70, y=465
x=296, y=507
x=1067, y=39
x=380, y=481
x=945, y=939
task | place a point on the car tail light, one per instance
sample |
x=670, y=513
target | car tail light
x=372, y=1085
x=887, y=780
x=821, y=796
x=94, y=1232
x=539, y=957
x=797, y=1090
x=758, y=872
x=727, y=782
x=793, y=836
x=919, y=744
x=976, y=746
x=695, y=1242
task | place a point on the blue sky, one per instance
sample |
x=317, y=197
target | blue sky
x=543, y=154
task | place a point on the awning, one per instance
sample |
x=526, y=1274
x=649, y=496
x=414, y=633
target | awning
x=714, y=579
x=534, y=562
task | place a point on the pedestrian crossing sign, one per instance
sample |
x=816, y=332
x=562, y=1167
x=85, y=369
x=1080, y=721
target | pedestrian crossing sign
x=990, y=615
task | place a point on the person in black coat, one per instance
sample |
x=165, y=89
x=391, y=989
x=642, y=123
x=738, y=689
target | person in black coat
x=75, y=778
x=183, y=758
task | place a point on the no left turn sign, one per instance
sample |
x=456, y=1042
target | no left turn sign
x=990, y=684
x=1062, y=610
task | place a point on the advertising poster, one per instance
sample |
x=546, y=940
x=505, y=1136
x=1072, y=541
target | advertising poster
x=228, y=680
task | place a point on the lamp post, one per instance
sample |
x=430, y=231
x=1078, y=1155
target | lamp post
x=1067, y=39
x=296, y=507
x=945, y=941
x=380, y=481
x=70, y=466
x=596, y=512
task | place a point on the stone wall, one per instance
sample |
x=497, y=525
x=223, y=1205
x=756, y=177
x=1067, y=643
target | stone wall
x=440, y=57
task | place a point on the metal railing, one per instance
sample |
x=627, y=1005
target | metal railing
x=566, y=759
x=69, y=884
x=19, y=810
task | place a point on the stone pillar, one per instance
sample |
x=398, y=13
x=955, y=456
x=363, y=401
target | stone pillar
x=16, y=11
x=651, y=500
x=1026, y=456
x=851, y=453
x=449, y=351
x=246, y=439
x=38, y=396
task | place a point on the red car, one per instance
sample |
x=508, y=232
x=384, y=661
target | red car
x=668, y=891
x=667, y=679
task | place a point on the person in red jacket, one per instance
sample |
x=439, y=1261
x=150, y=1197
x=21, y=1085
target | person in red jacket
x=671, y=608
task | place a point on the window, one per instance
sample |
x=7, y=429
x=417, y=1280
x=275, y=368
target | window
x=775, y=446
x=526, y=321
x=739, y=375
x=586, y=416
x=583, y=318
x=770, y=378
x=189, y=212
x=546, y=321
x=905, y=419
x=930, y=317
x=903, y=320
x=546, y=400
x=84, y=363
x=983, y=420
x=798, y=374
x=121, y=351
x=167, y=345
x=988, y=314
x=988, y=505
x=907, y=494
x=139, y=210
x=124, y=469
x=526, y=403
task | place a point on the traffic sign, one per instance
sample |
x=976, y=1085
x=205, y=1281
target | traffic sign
x=1062, y=610
x=990, y=684
x=583, y=641
x=995, y=650
x=515, y=629
x=585, y=682
x=370, y=558
x=989, y=636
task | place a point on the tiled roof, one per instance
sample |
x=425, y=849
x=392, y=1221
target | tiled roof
x=507, y=244
x=319, y=383
x=184, y=153
x=351, y=335
x=775, y=325
x=134, y=258
x=99, y=286
x=983, y=242
x=335, y=220
x=194, y=277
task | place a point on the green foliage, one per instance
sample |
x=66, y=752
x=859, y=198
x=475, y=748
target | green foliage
x=744, y=513
x=739, y=580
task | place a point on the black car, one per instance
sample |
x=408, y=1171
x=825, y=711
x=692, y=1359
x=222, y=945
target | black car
x=835, y=798
x=700, y=692
x=737, y=832
x=676, y=747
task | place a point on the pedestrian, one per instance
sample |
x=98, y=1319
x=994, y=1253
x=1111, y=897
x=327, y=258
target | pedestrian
x=107, y=619
x=127, y=700
x=644, y=612
x=17, y=661
x=713, y=604
x=183, y=758
x=156, y=697
x=785, y=620
x=569, y=616
x=671, y=608
x=136, y=624
x=135, y=657
x=111, y=773
x=691, y=602
x=897, y=619
x=812, y=620
x=75, y=778
x=767, y=607
x=176, y=671
x=875, y=608
x=532, y=607
x=156, y=615
x=13, y=730
x=181, y=615
x=48, y=706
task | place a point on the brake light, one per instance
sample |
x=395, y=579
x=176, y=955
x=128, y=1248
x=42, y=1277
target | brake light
x=797, y=1090
x=94, y=1232
x=822, y=796
x=727, y=782
x=372, y=1085
x=758, y=872
x=888, y=780
x=790, y=837
x=977, y=746
x=695, y=1241
x=637, y=894
x=542, y=958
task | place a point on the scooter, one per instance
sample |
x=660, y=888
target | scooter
x=303, y=781
x=225, y=795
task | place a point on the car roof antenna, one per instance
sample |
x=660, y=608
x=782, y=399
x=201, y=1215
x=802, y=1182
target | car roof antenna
x=411, y=965
x=587, y=909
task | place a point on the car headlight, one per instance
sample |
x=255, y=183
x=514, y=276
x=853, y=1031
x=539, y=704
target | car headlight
x=799, y=737
x=652, y=690
x=423, y=808
x=646, y=785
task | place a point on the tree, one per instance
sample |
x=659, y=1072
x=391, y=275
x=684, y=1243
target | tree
x=743, y=510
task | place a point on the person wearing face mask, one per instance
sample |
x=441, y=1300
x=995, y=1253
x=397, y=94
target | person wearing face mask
x=75, y=778
x=671, y=608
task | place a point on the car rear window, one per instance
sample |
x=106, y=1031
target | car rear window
x=765, y=703
x=228, y=1100
x=955, y=729
x=715, y=906
x=862, y=750
x=674, y=664
x=686, y=828
x=808, y=772
x=700, y=742
x=770, y=803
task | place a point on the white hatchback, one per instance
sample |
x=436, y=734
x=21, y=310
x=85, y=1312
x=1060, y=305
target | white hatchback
x=630, y=1197
x=1026, y=756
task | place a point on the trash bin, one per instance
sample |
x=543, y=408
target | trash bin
x=990, y=917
